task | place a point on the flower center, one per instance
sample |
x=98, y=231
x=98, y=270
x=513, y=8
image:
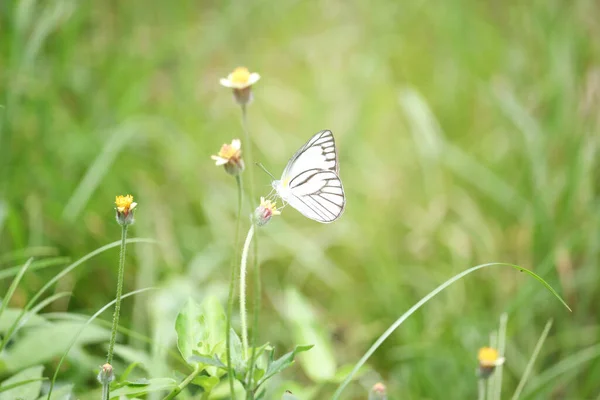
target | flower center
x=124, y=202
x=240, y=75
x=227, y=152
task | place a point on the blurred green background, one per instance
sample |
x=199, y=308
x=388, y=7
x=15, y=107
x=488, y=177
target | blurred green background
x=467, y=132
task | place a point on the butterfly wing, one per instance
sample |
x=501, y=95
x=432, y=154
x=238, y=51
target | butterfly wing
x=318, y=153
x=318, y=194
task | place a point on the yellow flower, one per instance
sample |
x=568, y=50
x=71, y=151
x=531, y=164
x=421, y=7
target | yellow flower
x=265, y=211
x=125, y=206
x=240, y=78
x=489, y=359
x=230, y=156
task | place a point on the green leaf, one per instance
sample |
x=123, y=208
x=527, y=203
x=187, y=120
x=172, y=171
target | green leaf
x=201, y=334
x=40, y=344
x=283, y=362
x=152, y=385
x=208, y=383
x=320, y=363
x=27, y=391
x=62, y=393
x=10, y=315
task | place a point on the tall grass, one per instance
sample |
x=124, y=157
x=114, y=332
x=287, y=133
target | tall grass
x=467, y=132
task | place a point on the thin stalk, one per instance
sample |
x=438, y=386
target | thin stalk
x=529, y=367
x=232, y=280
x=501, y=351
x=480, y=389
x=113, y=335
x=105, y=391
x=248, y=154
x=243, y=270
x=184, y=383
x=491, y=380
x=257, y=294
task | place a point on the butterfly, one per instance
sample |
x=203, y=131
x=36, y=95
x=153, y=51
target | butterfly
x=310, y=182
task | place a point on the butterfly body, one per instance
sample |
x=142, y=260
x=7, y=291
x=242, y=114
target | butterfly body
x=310, y=182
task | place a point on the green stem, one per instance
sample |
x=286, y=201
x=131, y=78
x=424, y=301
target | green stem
x=234, y=259
x=480, y=389
x=243, y=270
x=184, y=383
x=248, y=156
x=113, y=336
x=105, y=391
x=257, y=294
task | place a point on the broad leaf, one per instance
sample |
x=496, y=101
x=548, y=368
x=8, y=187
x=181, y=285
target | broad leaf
x=61, y=393
x=283, y=362
x=201, y=334
x=28, y=391
x=208, y=383
x=140, y=388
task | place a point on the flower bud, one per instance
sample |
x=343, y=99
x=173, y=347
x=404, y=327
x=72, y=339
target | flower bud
x=378, y=392
x=489, y=359
x=124, y=207
x=264, y=212
x=106, y=374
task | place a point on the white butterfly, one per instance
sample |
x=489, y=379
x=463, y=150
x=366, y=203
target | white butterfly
x=310, y=181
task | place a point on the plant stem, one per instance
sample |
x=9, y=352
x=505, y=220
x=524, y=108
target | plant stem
x=480, y=389
x=257, y=294
x=184, y=383
x=234, y=259
x=248, y=156
x=243, y=270
x=501, y=351
x=105, y=391
x=113, y=336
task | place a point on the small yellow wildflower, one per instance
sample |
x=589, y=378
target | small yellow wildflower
x=241, y=81
x=125, y=206
x=489, y=359
x=230, y=156
x=265, y=211
x=240, y=78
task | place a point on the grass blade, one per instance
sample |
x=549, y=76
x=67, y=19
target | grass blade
x=424, y=300
x=35, y=265
x=64, y=272
x=13, y=287
x=529, y=367
x=89, y=321
x=17, y=384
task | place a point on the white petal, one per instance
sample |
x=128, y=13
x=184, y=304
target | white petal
x=226, y=82
x=236, y=144
x=254, y=77
x=132, y=206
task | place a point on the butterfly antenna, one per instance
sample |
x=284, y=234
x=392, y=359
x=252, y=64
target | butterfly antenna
x=264, y=169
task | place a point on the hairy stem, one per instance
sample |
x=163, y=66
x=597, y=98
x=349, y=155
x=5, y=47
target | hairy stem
x=113, y=335
x=257, y=294
x=234, y=259
x=243, y=270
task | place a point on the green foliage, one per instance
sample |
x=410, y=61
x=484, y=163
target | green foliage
x=29, y=383
x=467, y=133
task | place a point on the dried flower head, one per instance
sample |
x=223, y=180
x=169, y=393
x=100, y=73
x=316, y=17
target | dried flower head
x=264, y=212
x=106, y=374
x=230, y=156
x=124, y=207
x=489, y=359
x=241, y=81
x=378, y=392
